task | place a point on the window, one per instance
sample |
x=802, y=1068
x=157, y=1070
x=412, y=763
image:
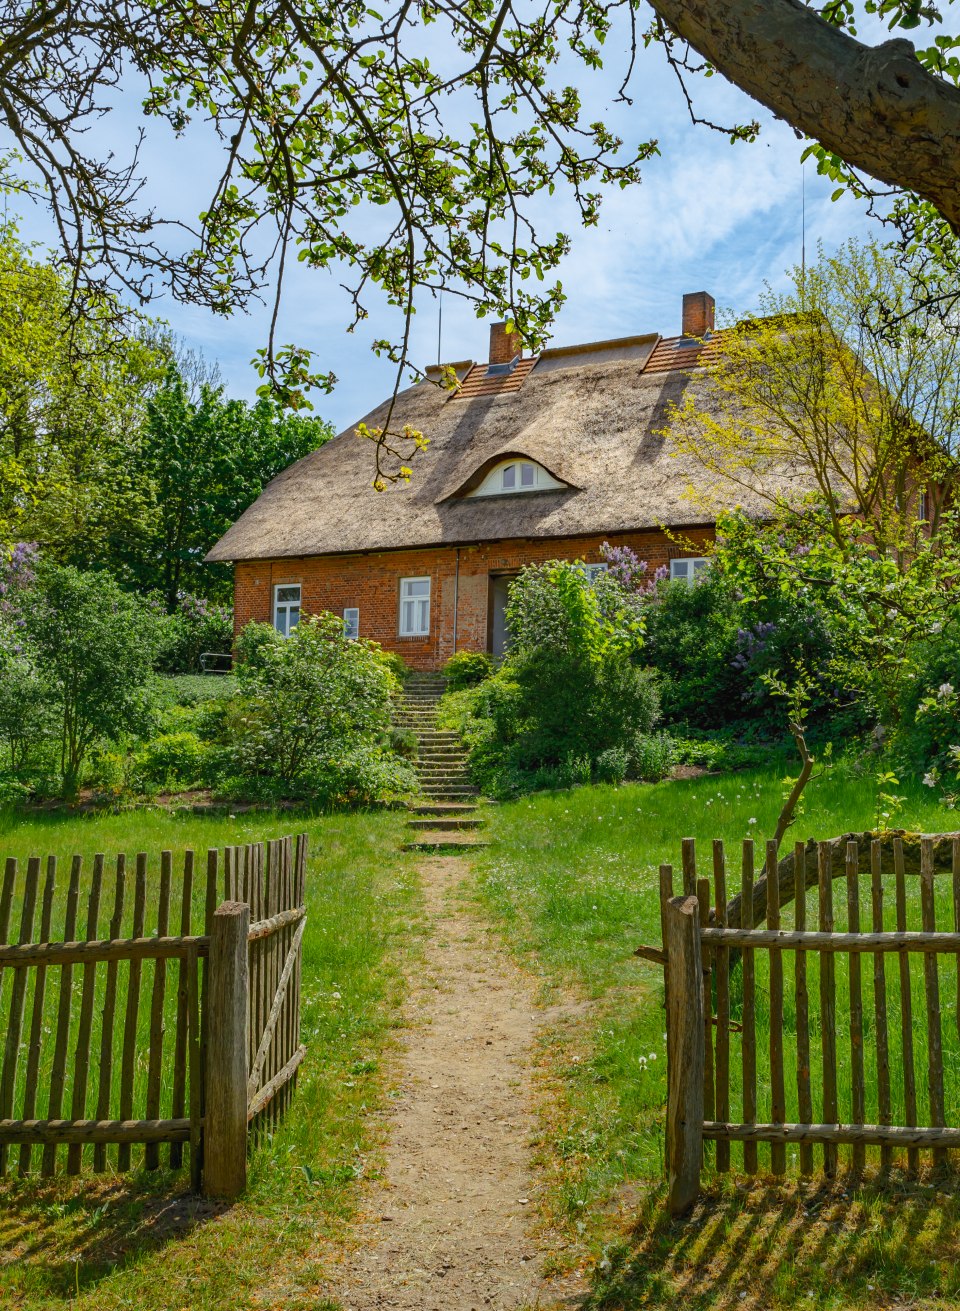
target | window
x=516, y=476
x=414, y=607
x=286, y=608
x=351, y=623
x=593, y=571
x=688, y=569
x=922, y=505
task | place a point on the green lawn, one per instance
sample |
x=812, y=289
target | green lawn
x=571, y=879
x=141, y=1240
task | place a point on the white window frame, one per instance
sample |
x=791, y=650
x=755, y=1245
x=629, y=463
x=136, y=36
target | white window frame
x=593, y=571
x=693, y=566
x=282, y=609
x=528, y=476
x=351, y=623
x=415, y=608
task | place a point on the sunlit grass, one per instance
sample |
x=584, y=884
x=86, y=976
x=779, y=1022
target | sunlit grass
x=142, y=1241
x=572, y=880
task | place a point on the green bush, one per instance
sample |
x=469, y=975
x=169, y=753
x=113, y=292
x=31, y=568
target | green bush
x=398, y=667
x=173, y=760
x=691, y=640
x=612, y=765
x=466, y=669
x=195, y=627
x=313, y=716
x=404, y=742
x=652, y=756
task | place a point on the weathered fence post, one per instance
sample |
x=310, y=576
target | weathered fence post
x=225, y=1117
x=684, y=989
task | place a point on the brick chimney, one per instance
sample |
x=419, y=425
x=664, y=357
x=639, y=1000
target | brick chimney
x=504, y=346
x=699, y=312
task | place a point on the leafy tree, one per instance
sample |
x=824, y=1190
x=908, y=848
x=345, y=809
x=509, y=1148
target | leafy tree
x=842, y=385
x=69, y=401
x=96, y=646
x=570, y=689
x=333, y=117
x=198, y=463
x=314, y=711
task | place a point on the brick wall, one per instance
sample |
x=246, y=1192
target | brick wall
x=372, y=583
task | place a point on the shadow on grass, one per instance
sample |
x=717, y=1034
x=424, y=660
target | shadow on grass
x=61, y=1239
x=870, y=1242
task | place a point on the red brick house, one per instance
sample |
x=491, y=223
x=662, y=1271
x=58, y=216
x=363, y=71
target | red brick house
x=533, y=459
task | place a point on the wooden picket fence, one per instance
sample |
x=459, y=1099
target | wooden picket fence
x=709, y=939
x=233, y=1006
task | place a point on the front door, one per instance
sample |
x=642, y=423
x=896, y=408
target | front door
x=497, y=635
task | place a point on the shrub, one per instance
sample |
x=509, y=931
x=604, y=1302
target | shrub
x=396, y=664
x=312, y=715
x=692, y=641
x=612, y=765
x=196, y=626
x=404, y=742
x=652, y=756
x=172, y=760
x=96, y=645
x=466, y=669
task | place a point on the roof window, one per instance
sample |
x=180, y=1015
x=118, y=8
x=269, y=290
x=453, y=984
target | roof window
x=513, y=476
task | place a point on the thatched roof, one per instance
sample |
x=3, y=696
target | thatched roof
x=590, y=415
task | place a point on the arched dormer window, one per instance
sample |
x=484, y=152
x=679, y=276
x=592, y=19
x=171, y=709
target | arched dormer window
x=513, y=476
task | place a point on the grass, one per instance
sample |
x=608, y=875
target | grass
x=142, y=1240
x=571, y=879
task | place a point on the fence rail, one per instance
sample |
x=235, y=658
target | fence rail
x=788, y=1020
x=117, y=1023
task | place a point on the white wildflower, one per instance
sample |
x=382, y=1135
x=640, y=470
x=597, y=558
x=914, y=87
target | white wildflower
x=944, y=690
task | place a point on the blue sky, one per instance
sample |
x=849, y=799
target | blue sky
x=708, y=215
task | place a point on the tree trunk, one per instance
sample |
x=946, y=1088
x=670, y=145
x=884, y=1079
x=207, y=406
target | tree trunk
x=875, y=107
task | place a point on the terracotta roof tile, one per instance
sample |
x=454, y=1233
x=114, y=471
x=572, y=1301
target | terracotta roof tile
x=681, y=353
x=477, y=383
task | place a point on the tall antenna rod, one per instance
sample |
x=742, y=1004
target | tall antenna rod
x=440, y=331
x=803, y=232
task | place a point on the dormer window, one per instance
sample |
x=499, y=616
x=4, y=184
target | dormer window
x=513, y=476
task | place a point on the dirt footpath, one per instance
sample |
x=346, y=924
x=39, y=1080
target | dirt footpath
x=450, y=1226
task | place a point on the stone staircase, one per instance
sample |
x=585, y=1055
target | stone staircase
x=448, y=814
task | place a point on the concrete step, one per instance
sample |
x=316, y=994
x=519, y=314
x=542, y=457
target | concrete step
x=447, y=841
x=450, y=793
x=445, y=824
x=442, y=808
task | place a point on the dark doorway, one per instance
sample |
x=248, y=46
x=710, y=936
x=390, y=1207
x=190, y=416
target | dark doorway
x=498, y=637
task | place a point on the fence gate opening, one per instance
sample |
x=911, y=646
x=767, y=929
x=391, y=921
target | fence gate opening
x=175, y=1037
x=817, y=1034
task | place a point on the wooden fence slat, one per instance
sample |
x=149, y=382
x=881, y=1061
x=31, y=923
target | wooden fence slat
x=286, y=947
x=132, y=1015
x=778, y=1100
x=196, y=1074
x=209, y=909
x=703, y=898
x=749, y=1036
x=906, y=1005
x=18, y=992
x=828, y=1011
x=180, y=1053
x=272, y=949
x=858, y=1089
x=955, y=866
x=302, y=853
x=257, y=1013
x=109, y=1012
x=64, y=1003
x=880, y=998
x=81, y=1060
x=151, y=1158
x=931, y=980
x=722, y=966
x=802, y=1005
x=37, y=1016
x=688, y=864
x=666, y=892
x=685, y=1024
